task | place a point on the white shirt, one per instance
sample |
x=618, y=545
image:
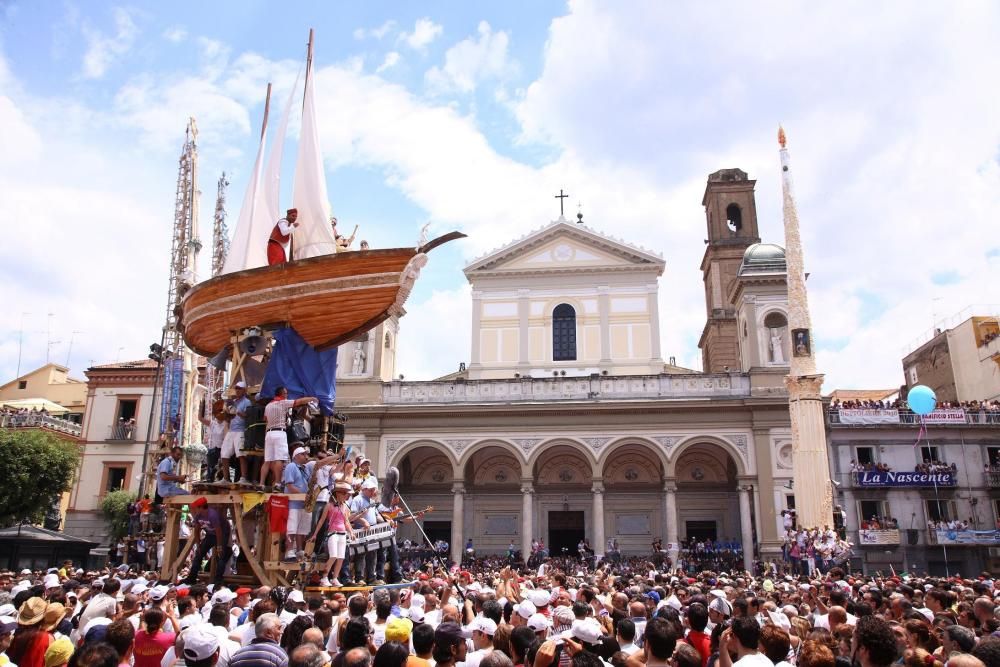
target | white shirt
x=227, y=647
x=216, y=433
x=473, y=658
x=286, y=227
x=754, y=660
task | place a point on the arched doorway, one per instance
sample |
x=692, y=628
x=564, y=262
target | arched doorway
x=632, y=474
x=710, y=525
x=493, y=503
x=426, y=478
x=563, y=478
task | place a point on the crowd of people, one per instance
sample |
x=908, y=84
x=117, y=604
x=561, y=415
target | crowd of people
x=935, y=467
x=952, y=524
x=808, y=551
x=871, y=466
x=563, y=614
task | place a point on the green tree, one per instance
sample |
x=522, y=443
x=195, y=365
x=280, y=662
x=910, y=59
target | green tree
x=36, y=468
x=114, y=507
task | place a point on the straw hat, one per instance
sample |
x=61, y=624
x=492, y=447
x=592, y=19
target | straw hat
x=32, y=611
x=54, y=614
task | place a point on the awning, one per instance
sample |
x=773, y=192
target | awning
x=37, y=404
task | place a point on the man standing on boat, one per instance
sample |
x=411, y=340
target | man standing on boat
x=280, y=236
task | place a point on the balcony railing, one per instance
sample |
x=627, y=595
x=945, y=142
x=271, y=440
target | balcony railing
x=122, y=432
x=41, y=421
x=578, y=388
x=891, y=416
x=993, y=479
x=879, y=537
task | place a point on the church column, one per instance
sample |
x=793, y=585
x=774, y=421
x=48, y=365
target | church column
x=746, y=528
x=457, y=521
x=477, y=314
x=604, y=309
x=526, y=517
x=670, y=520
x=598, y=517
x=523, y=313
x=653, y=306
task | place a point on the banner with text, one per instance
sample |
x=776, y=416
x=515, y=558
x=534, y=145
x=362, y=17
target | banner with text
x=973, y=537
x=893, y=478
x=879, y=536
x=869, y=416
x=949, y=416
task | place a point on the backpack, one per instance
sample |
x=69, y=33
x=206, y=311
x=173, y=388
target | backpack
x=256, y=428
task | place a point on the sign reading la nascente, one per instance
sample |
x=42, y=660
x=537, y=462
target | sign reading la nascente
x=893, y=478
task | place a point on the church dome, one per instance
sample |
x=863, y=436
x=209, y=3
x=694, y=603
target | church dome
x=763, y=258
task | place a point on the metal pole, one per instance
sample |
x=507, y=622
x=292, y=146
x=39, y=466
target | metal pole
x=149, y=425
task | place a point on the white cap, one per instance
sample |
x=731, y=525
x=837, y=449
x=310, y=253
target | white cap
x=538, y=622
x=223, y=596
x=587, y=630
x=51, y=581
x=296, y=596
x=299, y=450
x=539, y=598
x=364, y=461
x=158, y=592
x=779, y=619
x=8, y=610
x=369, y=483
x=525, y=609
x=95, y=623
x=417, y=601
x=673, y=601
x=241, y=385
x=26, y=572
x=722, y=606
x=416, y=613
x=139, y=589
x=485, y=625
x=200, y=643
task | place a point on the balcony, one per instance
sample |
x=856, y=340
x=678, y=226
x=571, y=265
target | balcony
x=529, y=389
x=869, y=417
x=880, y=537
x=41, y=421
x=993, y=479
x=121, y=433
x=893, y=478
x=963, y=537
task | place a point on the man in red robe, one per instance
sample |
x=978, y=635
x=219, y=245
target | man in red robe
x=280, y=236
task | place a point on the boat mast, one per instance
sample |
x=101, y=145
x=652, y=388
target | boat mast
x=309, y=62
x=267, y=109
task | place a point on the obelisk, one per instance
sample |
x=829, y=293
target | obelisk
x=811, y=465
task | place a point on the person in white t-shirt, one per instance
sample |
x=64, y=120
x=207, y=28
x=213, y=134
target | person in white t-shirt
x=742, y=638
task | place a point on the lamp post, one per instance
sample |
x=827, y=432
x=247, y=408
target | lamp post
x=157, y=354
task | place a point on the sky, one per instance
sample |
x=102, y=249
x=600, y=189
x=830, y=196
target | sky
x=472, y=116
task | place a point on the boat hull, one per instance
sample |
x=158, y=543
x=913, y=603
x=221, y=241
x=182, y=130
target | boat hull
x=328, y=300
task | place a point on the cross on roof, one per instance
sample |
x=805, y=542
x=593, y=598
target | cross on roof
x=561, y=197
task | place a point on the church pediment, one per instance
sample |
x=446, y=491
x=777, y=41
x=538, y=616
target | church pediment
x=562, y=247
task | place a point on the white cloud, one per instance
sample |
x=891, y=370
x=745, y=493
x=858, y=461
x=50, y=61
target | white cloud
x=391, y=60
x=424, y=32
x=175, y=34
x=376, y=33
x=473, y=60
x=103, y=50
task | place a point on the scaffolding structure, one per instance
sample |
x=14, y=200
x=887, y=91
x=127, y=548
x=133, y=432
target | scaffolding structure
x=178, y=409
x=220, y=234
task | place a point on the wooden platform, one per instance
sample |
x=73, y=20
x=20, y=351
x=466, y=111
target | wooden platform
x=328, y=300
x=354, y=589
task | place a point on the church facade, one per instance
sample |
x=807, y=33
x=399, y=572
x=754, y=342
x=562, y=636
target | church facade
x=567, y=423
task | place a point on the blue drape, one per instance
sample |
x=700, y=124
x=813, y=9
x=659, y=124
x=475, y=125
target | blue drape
x=304, y=371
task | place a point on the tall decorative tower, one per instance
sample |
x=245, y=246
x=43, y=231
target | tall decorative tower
x=731, y=216
x=180, y=371
x=220, y=234
x=810, y=467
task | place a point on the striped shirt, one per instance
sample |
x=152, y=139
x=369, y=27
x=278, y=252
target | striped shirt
x=260, y=653
x=276, y=412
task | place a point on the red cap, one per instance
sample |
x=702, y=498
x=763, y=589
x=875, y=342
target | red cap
x=423, y=576
x=243, y=590
x=183, y=592
x=200, y=502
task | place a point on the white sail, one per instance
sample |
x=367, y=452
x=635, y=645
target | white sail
x=270, y=191
x=245, y=251
x=260, y=210
x=314, y=235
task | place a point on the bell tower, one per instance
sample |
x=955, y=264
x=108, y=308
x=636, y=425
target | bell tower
x=731, y=217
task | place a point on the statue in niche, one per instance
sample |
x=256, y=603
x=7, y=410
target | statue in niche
x=358, y=367
x=777, y=354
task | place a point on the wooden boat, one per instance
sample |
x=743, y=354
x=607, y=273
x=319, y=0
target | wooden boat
x=328, y=300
